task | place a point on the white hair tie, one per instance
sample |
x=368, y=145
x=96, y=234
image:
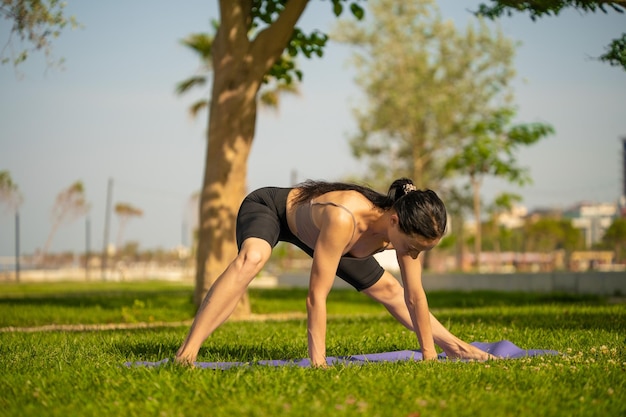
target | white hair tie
x=407, y=188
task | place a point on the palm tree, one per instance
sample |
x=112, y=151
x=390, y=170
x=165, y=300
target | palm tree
x=125, y=212
x=69, y=205
x=202, y=44
x=9, y=193
x=11, y=196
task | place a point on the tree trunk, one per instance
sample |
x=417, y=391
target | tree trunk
x=239, y=66
x=477, y=238
x=232, y=118
x=231, y=130
x=457, y=229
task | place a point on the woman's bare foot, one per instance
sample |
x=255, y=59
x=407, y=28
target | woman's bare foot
x=469, y=352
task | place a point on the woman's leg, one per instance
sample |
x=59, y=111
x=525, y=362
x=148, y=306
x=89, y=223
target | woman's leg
x=224, y=295
x=390, y=293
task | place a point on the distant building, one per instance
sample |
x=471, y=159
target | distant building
x=513, y=218
x=593, y=219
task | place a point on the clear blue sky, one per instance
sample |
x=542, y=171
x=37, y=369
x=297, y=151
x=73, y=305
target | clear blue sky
x=112, y=113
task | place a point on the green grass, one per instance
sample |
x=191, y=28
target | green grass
x=94, y=303
x=82, y=373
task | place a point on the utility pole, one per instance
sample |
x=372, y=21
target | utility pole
x=17, y=245
x=107, y=225
x=87, y=246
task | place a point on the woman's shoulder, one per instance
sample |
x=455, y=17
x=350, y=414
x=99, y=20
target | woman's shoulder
x=344, y=197
x=348, y=204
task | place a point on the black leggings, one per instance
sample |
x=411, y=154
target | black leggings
x=263, y=214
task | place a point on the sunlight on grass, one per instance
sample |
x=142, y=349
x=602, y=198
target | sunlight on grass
x=82, y=373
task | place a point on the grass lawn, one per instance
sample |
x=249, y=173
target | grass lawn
x=63, y=373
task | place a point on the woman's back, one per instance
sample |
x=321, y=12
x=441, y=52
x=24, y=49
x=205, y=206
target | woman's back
x=355, y=211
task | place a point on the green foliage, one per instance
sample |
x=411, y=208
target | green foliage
x=356, y=10
x=423, y=81
x=491, y=144
x=267, y=11
x=616, y=50
x=489, y=149
x=616, y=53
x=496, y=237
x=283, y=76
x=505, y=202
x=202, y=45
x=501, y=239
x=278, y=81
x=615, y=238
x=35, y=22
x=284, y=70
x=547, y=234
x=82, y=373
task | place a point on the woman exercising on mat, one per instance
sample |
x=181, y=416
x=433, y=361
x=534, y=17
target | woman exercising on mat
x=341, y=226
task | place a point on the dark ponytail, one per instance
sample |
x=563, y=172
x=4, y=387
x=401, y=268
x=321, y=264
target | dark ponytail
x=420, y=211
x=311, y=189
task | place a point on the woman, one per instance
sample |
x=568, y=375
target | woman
x=341, y=226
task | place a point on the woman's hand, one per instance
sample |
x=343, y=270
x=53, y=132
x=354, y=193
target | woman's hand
x=429, y=356
x=184, y=360
x=417, y=303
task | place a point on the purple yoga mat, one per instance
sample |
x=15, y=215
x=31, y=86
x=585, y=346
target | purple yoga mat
x=502, y=349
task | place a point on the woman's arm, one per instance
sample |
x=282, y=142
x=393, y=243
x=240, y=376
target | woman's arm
x=417, y=303
x=336, y=230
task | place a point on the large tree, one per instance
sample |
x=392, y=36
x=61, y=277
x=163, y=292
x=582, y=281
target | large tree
x=490, y=150
x=422, y=79
x=249, y=41
x=615, y=53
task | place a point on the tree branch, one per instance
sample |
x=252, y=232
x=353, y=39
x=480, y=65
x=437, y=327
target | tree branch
x=271, y=41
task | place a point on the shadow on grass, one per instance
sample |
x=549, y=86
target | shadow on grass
x=460, y=299
x=442, y=299
x=114, y=300
x=283, y=340
x=108, y=300
x=566, y=319
x=224, y=352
